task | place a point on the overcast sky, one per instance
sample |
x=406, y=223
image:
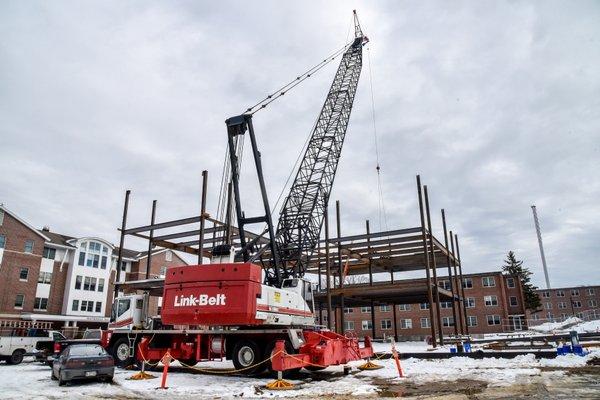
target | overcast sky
x=495, y=104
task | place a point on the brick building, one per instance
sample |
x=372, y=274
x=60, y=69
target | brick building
x=494, y=304
x=562, y=303
x=64, y=281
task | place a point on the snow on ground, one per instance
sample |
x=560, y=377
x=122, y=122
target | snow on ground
x=589, y=326
x=556, y=326
x=32, y=380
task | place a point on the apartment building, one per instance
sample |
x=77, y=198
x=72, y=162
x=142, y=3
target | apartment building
x=562, y=303
x=64, y=281
x=494, y=304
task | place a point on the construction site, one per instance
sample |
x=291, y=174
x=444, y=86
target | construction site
x=282, y=297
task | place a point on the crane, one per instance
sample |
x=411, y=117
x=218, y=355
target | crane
x=271, y=306
x=301, y=216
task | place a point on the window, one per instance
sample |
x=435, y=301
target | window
x=470, y=302
x=40, y=303
x=493, y=320
x=513, y=301
x=490, y=301
x=488, y=281
x=548, y=306
x=19, y=300
x=384, y=308
x=2, y=241
x=82, y=258
x=49, y=253
x=546, y=294
x=562, y=305
x=472, y=320
x=444, y=284
x=424, y=306
x=163, y=271
x=83, y=305
x=367, y=325
x=86, y=283
x=87, y=306
x=365, y=309
x=425, y=323
x=446, y=304
x=535, y=317
x=45, y=277
x=576, y=304
x=98, y=306
x=93, y=284
x=447, y=321
x=78, y=280
x=123, y=266
x=564, y=316
x=75, y=306
x=589, y=291
x=560, y=293
x=348, y=310
x=467, y=283
x=386, y=324
x=1, y=217
x=168, y=255
x=406, y=323
x=549, y=315
x=23, y=274
x=101, y=285
x=574, y=292
x=103, y=262
x=404, y=307
x=510, y=282
x=579, y=315
x=28, y=246
x=348, y=325
x=592, y=303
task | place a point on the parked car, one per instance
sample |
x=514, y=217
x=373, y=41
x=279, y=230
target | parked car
x=14, y=347
x=51, y=349
x=83, y=361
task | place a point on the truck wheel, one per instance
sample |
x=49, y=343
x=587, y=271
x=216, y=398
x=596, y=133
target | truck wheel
x=269, y=351
x=16, y=357
x=120, y=352
x=246, y=356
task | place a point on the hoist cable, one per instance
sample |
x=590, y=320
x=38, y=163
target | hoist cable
x=295, y=82
x=381, y=204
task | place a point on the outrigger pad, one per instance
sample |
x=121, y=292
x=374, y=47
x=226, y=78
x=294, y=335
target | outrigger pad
x=280, y=384
x=369, y=365
x=141, y=376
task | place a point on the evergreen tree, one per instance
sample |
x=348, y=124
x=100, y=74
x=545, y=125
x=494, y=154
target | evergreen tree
x=515, y=268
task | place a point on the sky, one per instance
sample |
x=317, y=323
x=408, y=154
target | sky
x=495, y=104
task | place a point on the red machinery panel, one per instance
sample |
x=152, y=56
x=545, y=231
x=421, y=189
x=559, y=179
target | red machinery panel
x=212, y=294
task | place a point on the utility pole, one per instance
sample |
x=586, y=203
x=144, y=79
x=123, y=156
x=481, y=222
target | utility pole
x=539, y=237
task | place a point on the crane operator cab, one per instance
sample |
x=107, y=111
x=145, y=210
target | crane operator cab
x=302, y=287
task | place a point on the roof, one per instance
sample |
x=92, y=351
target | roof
x=57, y=238
x=15, y=216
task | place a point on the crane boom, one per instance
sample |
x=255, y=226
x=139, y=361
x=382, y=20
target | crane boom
x=301, y=216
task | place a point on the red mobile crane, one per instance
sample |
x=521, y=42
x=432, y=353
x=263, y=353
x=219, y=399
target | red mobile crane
x=233, y=307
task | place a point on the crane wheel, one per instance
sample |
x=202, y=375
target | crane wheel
x=245, y=356
x=120, y=352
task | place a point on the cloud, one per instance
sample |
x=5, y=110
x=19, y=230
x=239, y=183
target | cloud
x=495, y=104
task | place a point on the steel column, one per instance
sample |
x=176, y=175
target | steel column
x=450, y=277
x=122, y=242
x=151, y=235
x=461, y=285
x=427, y=272
x=437, y=292
x=202, y=216
x=327, y=267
